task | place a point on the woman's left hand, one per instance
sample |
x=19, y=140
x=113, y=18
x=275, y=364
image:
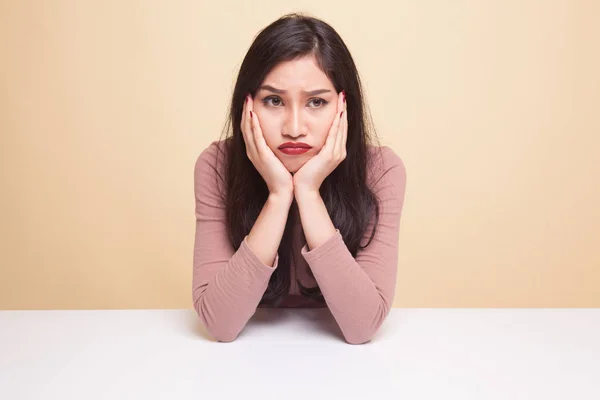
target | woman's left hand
x=312, y=174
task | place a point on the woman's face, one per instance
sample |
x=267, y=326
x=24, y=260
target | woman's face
x=296, y=103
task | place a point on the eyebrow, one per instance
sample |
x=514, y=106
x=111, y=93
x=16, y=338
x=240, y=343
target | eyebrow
x=279, y=91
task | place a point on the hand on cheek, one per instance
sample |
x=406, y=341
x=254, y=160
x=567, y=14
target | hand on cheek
x=313, y=173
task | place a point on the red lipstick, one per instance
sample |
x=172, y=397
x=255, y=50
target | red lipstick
x=294, y=148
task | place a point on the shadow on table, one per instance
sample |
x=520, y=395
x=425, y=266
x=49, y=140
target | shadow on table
x=320, y=322
x=262, y=316
x=311, y=321
x=315, y=321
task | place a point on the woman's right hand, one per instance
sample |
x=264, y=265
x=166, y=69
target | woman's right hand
x=278, y=179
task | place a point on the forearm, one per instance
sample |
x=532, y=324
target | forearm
x=354, y=300
x=265, y=236
x=226, y=300
x=358, y=305
x=316, y=223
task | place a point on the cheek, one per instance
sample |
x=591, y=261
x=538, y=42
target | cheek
x=322, y=127
x=268, y=126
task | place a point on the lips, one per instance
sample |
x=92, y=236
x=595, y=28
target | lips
x=298, y=145
x=294, y=150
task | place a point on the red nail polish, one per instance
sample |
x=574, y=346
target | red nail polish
x=344, y=95
x=246, y=99
x=341, y=114
x=250, y=114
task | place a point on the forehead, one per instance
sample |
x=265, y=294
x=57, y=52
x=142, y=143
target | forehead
x=301, y=74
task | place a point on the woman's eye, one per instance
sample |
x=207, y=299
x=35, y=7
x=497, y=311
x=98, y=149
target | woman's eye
x=320, y=102
x=267, y=99
x=276, y=102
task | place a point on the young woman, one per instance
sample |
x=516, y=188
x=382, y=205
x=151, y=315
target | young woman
x=298, y=207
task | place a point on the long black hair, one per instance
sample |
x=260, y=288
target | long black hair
x=349, y=201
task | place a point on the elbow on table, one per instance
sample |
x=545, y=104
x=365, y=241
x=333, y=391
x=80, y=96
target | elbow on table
x=359, y=338
x=361, y=333
x=224, y=338
x=220, y=331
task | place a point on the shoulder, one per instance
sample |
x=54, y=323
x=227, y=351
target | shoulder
x=385, y=156
x=211, y=160
x=212, y=154
x=385, y=164
x=210, y=163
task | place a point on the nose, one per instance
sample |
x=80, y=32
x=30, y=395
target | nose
x=294, y=123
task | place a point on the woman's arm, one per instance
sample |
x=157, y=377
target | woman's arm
x=358, y=291
x=227, y=285
x=266, y=234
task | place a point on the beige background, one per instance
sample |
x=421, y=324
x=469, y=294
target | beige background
x=493, y=106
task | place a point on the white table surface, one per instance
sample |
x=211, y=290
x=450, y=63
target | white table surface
x=300, y=354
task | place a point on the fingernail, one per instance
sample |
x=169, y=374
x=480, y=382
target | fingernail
x=341, y=114
x=246, y=99
x=344, y=95
x=250, y=114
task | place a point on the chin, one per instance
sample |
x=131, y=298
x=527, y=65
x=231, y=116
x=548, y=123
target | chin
x=294, y=167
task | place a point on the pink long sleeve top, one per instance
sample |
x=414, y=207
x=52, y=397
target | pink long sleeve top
x=228, y=284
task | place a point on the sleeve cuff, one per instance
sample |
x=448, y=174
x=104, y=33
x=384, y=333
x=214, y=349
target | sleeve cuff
x=331, y=245
x=251, y=256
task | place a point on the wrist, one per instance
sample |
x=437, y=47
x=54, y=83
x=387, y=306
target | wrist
x=300, y=191
x=285, y=198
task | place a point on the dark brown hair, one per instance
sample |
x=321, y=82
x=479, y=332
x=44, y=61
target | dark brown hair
x=349, y=201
